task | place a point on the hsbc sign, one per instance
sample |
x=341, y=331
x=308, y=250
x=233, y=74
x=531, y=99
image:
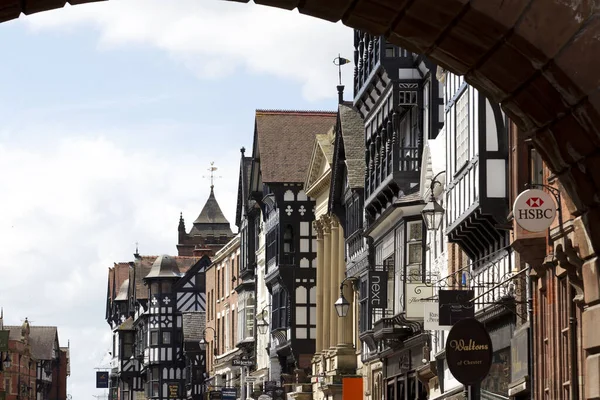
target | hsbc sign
x=534, y=210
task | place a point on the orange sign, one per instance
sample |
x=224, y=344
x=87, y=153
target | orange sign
x=352, y=388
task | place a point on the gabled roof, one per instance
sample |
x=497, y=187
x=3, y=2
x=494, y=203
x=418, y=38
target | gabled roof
x=211, y=220
x=43, y=340
x=285, y=140
x=353, y=135
x=243, y=187
x=319, y=169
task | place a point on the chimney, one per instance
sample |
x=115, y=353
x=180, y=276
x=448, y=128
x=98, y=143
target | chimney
x=340, y=89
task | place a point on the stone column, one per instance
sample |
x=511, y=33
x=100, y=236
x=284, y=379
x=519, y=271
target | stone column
x=327, y=295
x=345, y=324
x=333, y=281
x=320, y=282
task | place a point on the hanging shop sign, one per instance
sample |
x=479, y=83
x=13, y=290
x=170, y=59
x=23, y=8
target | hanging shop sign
x=378, y=289
x=102, y=379
x=534, y=210
x=455, y=305
x=243, y=362
x=215, y=395
x=417, y=294
x=431, y=317
x=469, y=351
x=229, y=393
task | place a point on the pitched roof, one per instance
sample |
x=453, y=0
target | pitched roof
x=211, y=220
x=243, y=188
x=285, y=140
x=143, y=265
x=117, y=275
x=41, y=339
x=353, y=128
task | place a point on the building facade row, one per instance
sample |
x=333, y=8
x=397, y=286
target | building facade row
x=359, y=229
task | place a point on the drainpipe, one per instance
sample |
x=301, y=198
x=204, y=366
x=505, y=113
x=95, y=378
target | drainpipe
x=574, y=370
x=531, y=333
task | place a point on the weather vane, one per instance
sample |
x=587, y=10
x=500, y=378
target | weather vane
x=339, y=61
x=212, y=176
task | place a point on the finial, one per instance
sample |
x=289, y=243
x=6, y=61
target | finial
x=137, y=248
x=212, y=176
x=243, y=150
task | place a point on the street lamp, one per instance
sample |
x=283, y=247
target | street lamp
x=262, y=325
x=342, y=306
x=203, y=341
x=433, y=212
x=7, y=362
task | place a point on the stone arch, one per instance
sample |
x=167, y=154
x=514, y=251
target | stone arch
x=537, y=58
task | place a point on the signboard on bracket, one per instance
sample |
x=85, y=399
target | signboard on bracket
x=378, y=289
x=417, y=294
x=534, y=210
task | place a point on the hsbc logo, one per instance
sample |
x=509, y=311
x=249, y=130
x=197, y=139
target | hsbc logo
x=534, y=202
x=534, y=210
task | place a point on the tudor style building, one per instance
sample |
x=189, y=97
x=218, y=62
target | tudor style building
x=148, y=347
x=397, y=94
x=473, y=189
x=155, y=306
x=282, y=145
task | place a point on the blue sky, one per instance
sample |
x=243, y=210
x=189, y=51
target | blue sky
x=111, y=114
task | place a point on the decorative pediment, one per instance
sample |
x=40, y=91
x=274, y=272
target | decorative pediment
x=319, y=170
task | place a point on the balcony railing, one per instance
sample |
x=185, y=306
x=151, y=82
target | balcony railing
x=409, y=159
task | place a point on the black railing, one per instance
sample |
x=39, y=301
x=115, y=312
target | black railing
x=409, y=159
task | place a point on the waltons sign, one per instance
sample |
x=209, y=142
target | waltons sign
x=534, y=210
x=469, y=351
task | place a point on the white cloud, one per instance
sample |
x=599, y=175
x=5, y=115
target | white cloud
x=217, y=38
x=71, y=209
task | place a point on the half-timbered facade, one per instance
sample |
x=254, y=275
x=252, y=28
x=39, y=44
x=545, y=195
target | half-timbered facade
x=282, y=145
x=398, y=95
x=476, y=210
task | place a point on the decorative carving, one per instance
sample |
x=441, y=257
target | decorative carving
x=326, y=223
x=568, y=259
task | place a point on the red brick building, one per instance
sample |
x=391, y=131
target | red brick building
x=556, y=257
x=39, y=367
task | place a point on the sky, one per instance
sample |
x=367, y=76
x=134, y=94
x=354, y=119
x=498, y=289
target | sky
x=111, y=114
